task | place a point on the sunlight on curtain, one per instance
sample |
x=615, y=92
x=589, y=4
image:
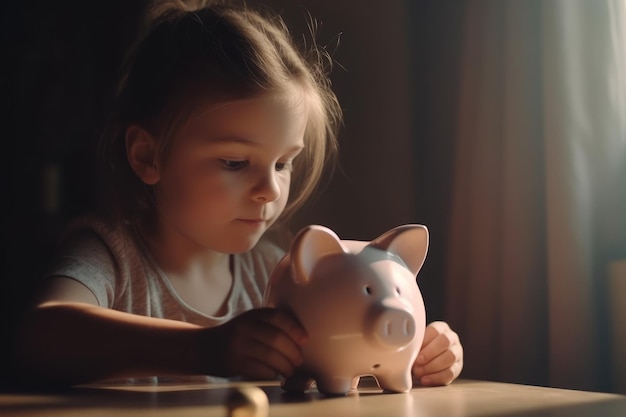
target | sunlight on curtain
x=540, y=189
x=585, y=137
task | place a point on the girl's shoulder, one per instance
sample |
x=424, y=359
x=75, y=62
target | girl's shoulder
x=95, y=231
x=97, y=253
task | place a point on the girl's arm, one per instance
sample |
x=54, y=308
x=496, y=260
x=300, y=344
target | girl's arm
x=67, y=339
x=70, y=342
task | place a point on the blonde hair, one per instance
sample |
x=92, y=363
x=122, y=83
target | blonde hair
x=231, y=52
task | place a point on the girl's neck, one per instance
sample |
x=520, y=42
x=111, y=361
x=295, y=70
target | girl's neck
x=201, y=277
x=179, y=256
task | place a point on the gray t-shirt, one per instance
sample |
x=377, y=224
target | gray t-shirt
x=121, y=273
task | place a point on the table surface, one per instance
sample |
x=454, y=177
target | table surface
x=460, y=399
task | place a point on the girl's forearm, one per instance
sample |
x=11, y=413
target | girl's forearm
x=72, y=343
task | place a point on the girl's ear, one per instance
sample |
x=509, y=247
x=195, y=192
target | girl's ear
x=141, y=153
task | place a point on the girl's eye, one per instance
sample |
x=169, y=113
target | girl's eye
x=233, y=165
x=281, y=166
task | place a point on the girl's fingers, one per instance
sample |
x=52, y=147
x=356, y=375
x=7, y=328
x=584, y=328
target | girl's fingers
x=269, y=337
x=270, y=358
x=257, y=370
x=436, y=344
x=440, y=359
x=443, y=377
x=432, y=330
x=445, y=360
x=285, y=323
x=274, y=340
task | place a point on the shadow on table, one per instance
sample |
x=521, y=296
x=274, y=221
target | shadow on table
x=149, y=397
x=214, y=398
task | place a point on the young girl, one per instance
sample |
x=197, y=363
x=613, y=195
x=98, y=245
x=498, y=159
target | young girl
x=222, y=128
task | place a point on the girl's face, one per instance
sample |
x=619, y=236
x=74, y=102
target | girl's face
x=227, y=175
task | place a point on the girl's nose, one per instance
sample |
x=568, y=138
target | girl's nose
x=266, y=188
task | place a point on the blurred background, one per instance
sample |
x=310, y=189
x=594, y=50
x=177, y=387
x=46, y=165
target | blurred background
x=499, y=124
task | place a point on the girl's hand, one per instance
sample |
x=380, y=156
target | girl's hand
x=261, y=343
x=440, y=360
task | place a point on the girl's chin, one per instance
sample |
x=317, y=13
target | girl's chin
x=243, y=245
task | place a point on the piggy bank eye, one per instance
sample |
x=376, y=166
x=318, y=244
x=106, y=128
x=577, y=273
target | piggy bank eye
x=397, y=290
x=368, y=290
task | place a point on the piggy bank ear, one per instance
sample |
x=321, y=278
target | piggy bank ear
x=409, y=242
x=310, y=245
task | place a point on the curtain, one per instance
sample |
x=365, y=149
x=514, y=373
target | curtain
x=538, y=205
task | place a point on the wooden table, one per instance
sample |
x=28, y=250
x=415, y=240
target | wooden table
x=460, y=399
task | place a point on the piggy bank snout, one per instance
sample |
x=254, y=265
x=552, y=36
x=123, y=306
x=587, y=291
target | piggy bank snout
x=393, y=327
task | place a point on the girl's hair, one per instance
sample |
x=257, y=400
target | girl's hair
x=225, y=52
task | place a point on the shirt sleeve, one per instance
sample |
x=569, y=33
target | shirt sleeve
x=84, y=257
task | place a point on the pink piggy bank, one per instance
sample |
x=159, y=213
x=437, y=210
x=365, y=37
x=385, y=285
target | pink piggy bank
x=360, y=304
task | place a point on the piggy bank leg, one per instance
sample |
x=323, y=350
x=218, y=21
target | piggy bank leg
x=334, y=385
x=355, y=383
x=298, y=382
x=397, y=382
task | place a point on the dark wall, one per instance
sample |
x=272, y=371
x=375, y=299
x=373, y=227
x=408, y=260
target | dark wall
x=60, y=61
x=435, y=33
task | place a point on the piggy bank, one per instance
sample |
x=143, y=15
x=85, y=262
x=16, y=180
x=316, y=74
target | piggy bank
x=359, y=303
